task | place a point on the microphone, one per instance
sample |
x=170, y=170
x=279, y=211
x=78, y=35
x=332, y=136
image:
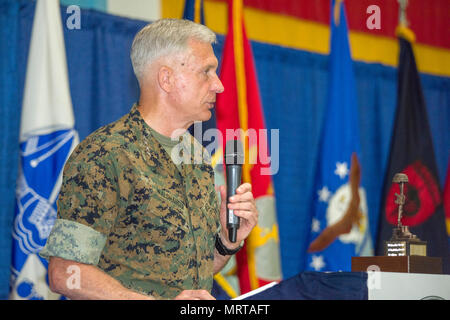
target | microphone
x=234, y=158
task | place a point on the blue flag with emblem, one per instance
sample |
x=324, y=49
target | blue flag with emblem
x=47, y=137
x=339, y=217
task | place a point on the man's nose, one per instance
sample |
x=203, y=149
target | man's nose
x=217, y=85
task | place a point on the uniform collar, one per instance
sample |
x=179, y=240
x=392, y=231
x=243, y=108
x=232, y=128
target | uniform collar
x=155, y=152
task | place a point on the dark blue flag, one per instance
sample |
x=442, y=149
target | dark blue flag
x=332, y=196
x=193, y=10
x=412, y=153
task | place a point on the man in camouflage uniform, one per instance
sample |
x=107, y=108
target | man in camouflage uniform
x=138, y=212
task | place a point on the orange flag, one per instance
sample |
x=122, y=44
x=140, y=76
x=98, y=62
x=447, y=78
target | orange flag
x=239, y=107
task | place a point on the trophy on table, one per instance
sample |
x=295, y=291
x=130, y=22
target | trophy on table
x=403, y=242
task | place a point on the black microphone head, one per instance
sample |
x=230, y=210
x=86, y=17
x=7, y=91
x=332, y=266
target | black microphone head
x=234, y=152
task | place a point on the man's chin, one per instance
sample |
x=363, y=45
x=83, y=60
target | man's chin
x=205, y=116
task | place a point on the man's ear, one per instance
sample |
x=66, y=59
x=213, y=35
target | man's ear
x=165, y=78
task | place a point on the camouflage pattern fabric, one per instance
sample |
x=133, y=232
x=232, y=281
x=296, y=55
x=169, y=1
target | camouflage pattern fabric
x=125, y=207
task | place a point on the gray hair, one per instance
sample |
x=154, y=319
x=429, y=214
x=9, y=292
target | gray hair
x=164, y=37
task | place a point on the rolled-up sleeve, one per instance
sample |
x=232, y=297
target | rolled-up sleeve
x=71, y=240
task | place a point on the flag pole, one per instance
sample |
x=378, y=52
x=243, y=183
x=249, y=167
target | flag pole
x=402, y=29
x=403, y=21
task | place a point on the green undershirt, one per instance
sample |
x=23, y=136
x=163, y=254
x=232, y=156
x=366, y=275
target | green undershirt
x=167, y=143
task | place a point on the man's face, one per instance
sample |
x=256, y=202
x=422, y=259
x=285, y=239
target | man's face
x=196, y=82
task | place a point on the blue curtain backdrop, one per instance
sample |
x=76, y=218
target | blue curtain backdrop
x=9, y=129
x=293, y=88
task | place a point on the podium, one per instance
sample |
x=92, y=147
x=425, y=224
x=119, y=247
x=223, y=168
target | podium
x=343, y=285
x=407, y=264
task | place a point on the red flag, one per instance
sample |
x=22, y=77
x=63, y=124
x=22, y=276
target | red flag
x=239, y=107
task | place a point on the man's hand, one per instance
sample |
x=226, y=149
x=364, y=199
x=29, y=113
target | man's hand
x=194, y=295
x=244, y=207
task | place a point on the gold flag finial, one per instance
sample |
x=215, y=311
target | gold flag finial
x=402, y=29
x=402, y=21
x=337, y=11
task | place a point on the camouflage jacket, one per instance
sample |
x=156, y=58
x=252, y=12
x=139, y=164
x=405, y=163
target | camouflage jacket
x=125, y=207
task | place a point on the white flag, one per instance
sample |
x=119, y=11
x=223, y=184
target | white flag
x=47, y=137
